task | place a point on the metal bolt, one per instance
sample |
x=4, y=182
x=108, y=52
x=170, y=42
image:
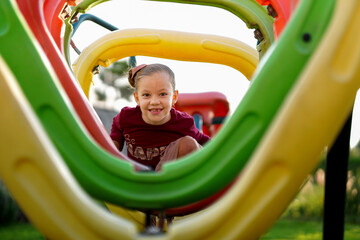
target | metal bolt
x=258, y=35
x=66, y=12
x=75, y=18
x=96, y=70
x=271, y=11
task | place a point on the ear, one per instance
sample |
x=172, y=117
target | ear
x=136, y=97
x=175, y=97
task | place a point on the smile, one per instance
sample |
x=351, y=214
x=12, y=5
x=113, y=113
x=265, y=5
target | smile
x=155, y=110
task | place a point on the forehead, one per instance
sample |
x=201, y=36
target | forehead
x=155, y=81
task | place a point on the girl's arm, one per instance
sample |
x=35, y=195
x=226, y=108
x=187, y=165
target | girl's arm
x=116, y=133
x=117, y=144
x=204, y=138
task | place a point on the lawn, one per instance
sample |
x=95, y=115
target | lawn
x=20, y=231
x=282, y=230
x=305, y=230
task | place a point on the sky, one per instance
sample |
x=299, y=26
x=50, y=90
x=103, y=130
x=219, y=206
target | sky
x=190, y=77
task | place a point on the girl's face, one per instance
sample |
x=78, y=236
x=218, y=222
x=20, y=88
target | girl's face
x=155, y=96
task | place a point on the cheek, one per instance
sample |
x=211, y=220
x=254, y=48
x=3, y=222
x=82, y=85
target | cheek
x=142, y=102
x=169, y=101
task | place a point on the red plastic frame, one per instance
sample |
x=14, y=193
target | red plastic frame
x=209, y=105
x=284, y=9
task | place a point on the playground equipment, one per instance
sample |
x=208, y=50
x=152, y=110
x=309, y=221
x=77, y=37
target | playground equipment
x=99, y=21
x=245, y=61
x=86, y=113
x=249, y=11
x=265, y=109
x=273, y=175
x=281, y=11
x=163, y=44
x=111, y=164
x=52, y=185
x=211, y=107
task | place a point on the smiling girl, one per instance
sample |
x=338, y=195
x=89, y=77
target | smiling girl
x=154, y=131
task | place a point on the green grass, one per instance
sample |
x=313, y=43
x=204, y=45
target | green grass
x=282, y=230
x=20, y=231
x=305, y=230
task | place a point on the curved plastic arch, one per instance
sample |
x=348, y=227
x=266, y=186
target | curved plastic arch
x=308, y=122
x=249, y=11
x=68, y=135
x=40, y=180
x=163, y=44
x=52, y=10
x=38, y=30
x=335, y=65
x=34, y=15
x=199, y=174
x=87, y=114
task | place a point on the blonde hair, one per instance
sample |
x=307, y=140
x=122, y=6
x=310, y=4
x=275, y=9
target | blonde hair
x=148, y=70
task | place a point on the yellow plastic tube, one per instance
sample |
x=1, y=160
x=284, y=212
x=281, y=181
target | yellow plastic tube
x=40, y=181
x=164, y=44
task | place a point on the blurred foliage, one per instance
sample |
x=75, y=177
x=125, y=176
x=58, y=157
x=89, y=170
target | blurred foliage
x=308, y=204
x=286, y=229
x=352, y=209
x=20, y=231
x=9, y=210
x=115, y=76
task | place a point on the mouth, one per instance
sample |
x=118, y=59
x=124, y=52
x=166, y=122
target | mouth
x=155, y=110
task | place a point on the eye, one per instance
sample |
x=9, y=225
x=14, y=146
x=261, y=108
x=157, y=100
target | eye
x=145, y=94
x=163, y=94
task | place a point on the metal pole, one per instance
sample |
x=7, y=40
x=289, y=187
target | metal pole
x=335, y=185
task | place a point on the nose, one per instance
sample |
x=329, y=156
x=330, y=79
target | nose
x=155, y=100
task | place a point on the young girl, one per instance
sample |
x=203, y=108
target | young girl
x=154, y=131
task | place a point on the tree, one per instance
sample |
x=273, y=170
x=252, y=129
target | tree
x=115, y=77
